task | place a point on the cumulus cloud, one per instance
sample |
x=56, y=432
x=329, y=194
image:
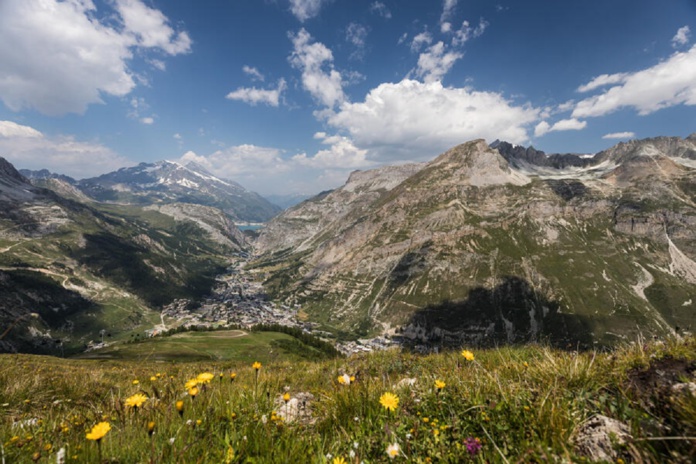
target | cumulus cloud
x=58, y=57
x=563, y=125
x=669, y=83
x=342, y=154
x=306, y=9
x=315, y=61
x=254, y=73
x=681, y=37
x=380, y=9
x=619, y=135
x=254, y=96
x=28, y=148
x=435, y=62
x=410, y=119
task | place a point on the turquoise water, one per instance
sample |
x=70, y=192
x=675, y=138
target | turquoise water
x=252, y=227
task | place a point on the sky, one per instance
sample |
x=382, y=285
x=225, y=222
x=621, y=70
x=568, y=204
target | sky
x=290, y=96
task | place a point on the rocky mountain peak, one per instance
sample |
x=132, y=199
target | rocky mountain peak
x=8, y=171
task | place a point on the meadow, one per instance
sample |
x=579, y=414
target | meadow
x=509, y=405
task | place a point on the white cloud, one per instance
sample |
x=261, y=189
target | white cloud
x=151, y=28
x=315, y=61
x=681, y=37
x=12, y=129
x=466, y=32
x=669, y=83
x=603, y=80
x=448, y=7
x=177, y=136
x=435, y=62
x=357, y=34
x=254, y=96
x=240, y=160
x=58, y=58
x=563, y=125
x=159, y=64
x=147, y=120
x=380, y=9
x=619, y=135
x=412, y=119
x=420, y=40
x=341, y=154
x=254, y=73
x=27, y=148
x=306, y=9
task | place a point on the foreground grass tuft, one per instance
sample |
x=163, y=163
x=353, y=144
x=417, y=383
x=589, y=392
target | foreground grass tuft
x=520, y=404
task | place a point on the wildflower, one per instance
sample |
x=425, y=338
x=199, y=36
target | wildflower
x=473, y=445
x=150, y=428
x=136, y=400
x=468, y=355
x=180, y=408
x=193, y=392
x=439, y=384
x=229, y=457
x=393, y=450
x=198, y=422
x=256, y=366
x=351, y=454
x=233, y=375
x=352, y=378
x=191, y=383
x=286, y=397
x=48, y=447
x=136, y=382
x=153, y=379
x=205, y=377
x=60, y=456
x=338, y=460
x=344, y=379
x=264, y=419
x=98, y=431
x=389, y=401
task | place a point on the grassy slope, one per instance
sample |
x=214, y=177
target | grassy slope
x=524, y=404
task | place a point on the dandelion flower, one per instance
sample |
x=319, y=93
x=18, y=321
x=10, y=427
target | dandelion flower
x=468, y=355
x=150, y=428
x=389, y=401
x=439, y=384
x=205, y=377
x=286, y=397
x=344, y=379
x=98, y=431
x=193, y=392
x=136, y=382
x=153, y=379
x=393, y=450
x=256, y=366
x=338, y=460
x=233, y=376
x=136, y=400
x=191, y=383
x=180, y=407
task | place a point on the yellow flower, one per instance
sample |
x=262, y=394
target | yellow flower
x=193, y=392
x=230, y=455
x=344, y=379
x=256, y=366
x=150, y=428
x=136, y=400
x=233, y=376
x=468, y=355
x=393, y=450
x=439, y=384
x=389, y=401
x=199, y=422
x=180, y=407
x=205, y=377
x=153, y=379
x=98, y=431
x=286, y=397
x=338, y=460
x=136, y=382
x=191, y=383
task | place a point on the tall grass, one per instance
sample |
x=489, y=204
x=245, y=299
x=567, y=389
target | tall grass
x=520, y=404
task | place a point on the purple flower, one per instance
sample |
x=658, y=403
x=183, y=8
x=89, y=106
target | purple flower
x=473, y=445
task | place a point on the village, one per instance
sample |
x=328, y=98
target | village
x=239, y=301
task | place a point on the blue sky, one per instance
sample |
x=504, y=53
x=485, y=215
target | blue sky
x=289, y=96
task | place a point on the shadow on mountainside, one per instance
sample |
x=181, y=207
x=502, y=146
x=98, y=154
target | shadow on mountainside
x=510, y=313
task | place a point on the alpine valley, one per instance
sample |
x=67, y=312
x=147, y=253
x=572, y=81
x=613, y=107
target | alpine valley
x=483, y=245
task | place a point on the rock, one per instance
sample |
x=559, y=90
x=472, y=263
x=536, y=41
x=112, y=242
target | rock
x=684, y=389
x=298, y=409
x=597, y=437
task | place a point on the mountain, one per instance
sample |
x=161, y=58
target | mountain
x=489, y=245
x=287, y=201
x=168, y=182
x=69, y=270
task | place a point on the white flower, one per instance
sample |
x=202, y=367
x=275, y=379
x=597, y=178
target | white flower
x=393, y=450
x=408, y=436
x=356, y=445
x=346, y=379
x=351, y=454
x=328, y=456
x=60, y=456
x=264, y=419
x=171, y=441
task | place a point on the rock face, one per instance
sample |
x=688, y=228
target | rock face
x=599, y=437
x=169, y=182
x=488, y=245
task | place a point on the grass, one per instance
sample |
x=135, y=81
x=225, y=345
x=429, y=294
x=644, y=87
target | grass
x=233, y=345
x=523, y=404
